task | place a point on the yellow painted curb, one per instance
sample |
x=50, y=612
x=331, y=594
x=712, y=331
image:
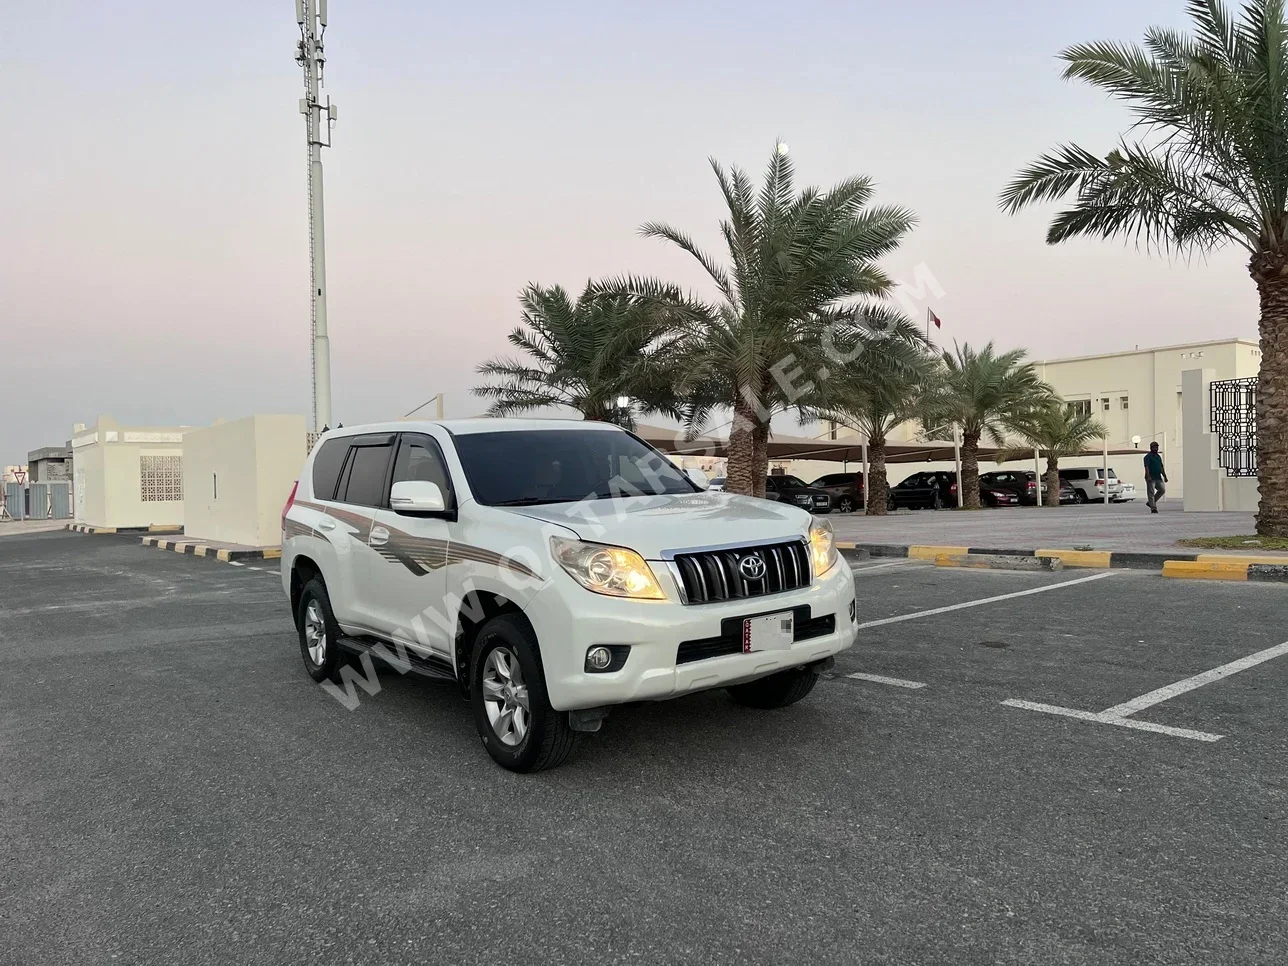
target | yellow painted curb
x=272, y=553
x=930, y=553
x=162, y=544
x=199, y=550
x=163, y=528
x=1079, y=558
x=1205, y=570
x=1242, y=558
x=839, y=544
x=221, y=555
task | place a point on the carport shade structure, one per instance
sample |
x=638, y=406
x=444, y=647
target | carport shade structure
x=783, y=447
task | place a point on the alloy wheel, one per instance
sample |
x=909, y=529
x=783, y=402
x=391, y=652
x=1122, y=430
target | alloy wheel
x=505, y=697
x=315, y=633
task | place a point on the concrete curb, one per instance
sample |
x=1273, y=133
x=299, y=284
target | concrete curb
x=195, y=548
x=997, y=561
x=85, y=528
x=1226, y=570
x=1168, y=563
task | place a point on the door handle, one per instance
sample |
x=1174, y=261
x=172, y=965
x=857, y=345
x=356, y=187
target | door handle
x=379, y=537
x=326, y=523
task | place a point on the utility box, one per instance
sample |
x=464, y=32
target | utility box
x=127, y=477
x=237, y=476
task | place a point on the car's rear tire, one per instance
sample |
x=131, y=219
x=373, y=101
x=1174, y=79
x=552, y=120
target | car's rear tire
x=1081, y=497
x=845, y=505
x=776, y=691
x=319, y=633
x=512, y=711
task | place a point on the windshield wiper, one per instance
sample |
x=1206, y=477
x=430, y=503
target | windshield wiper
x=526, y=501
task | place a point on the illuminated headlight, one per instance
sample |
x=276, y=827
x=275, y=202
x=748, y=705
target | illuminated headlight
x=822, y=547
x=614, y=571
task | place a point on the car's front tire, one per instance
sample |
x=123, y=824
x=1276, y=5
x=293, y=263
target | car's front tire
x=319, y=633
x=776, y=691
x=512, y=711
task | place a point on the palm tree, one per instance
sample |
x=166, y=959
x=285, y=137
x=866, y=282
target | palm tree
x=1207, y=166
x=1055, y=430
x=786, y=313
x=589, y=353
x=883, y=387
x=985, y=395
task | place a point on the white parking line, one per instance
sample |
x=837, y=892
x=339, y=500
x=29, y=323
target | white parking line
x=882, y=679
x=1101, y=717
x=1197, y=681
x=235, y=563
x=880, y=566
x=1118, y=714
x=986, y=600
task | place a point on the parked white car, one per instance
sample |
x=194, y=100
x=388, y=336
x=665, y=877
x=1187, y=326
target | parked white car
x=1090, y=483
x=553, y=569
x=716, y=484
x=1126, y=493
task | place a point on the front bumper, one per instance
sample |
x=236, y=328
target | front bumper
x=569, y=620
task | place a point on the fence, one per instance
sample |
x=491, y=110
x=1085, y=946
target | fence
x=51, y=500
x=1234, y=423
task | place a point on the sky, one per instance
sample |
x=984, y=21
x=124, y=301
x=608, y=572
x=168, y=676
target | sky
x=153, y=208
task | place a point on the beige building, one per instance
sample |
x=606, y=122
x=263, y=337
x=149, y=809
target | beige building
x=1134, y=394
x=127, y=476
x=237, y=475
x=1138, y=393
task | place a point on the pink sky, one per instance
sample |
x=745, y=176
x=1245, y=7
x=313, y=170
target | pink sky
x=153, y=263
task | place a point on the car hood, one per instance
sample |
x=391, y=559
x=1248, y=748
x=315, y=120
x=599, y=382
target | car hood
x=653, y=525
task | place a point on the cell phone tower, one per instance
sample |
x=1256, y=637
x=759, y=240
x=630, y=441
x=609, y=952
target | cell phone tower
x=320, y=119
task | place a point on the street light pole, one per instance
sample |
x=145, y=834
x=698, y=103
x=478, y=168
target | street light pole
x=311, y=15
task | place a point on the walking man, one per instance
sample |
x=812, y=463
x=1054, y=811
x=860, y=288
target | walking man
x=1155, y=477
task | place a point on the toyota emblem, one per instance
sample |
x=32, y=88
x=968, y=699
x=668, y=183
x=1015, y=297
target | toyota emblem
x=752, y=567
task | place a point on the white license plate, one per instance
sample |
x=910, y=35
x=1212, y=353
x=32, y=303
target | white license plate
x=773, y=632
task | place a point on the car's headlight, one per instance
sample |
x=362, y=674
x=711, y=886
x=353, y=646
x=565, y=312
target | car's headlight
x=614, y=571
x=822, y=547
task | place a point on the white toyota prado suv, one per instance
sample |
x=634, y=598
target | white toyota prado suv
x=553, y=569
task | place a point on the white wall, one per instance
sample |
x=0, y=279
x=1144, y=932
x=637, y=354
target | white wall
x=238, y=474
x=108, y=486
x=1209, y=488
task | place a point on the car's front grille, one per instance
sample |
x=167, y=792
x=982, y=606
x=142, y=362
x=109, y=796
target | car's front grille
x=730, y=639
x=719, y=575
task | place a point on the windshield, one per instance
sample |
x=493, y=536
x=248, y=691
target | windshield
x=519, y=468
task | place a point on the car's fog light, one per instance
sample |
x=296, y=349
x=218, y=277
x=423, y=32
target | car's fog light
x=598, y=658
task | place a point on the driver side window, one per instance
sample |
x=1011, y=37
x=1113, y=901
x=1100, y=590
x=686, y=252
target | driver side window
x=419, y=459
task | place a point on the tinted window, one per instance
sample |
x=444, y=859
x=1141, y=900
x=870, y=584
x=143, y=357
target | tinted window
x=914, y=480
x=418, y=459
x=1074, y=475
x=326, y=467
x=564, y=466
x=366, y=475
x=790, y=481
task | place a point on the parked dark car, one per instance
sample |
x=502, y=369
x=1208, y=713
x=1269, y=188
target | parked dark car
x=1023, y=483
x=794, y=490
x=845, y=489
x=936, y=489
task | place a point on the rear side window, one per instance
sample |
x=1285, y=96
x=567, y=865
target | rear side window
x=365, y=476
x=326, y=468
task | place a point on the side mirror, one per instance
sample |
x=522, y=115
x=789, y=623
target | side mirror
x=416, y=496
x=698, y=478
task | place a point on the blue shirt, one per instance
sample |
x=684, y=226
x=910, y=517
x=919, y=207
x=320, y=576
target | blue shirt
x=1153, y=466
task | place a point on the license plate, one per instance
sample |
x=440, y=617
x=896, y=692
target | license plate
x=773, y=632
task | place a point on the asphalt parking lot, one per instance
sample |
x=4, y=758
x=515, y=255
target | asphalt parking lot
x=174, y=789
